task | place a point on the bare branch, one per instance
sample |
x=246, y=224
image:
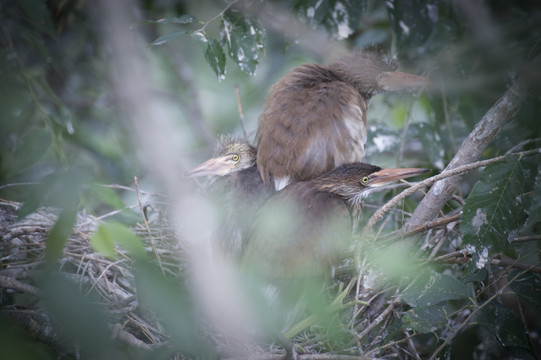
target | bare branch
x=378, y=215
x=471, y=149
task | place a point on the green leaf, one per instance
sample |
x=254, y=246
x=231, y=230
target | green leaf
x=214, y=54
x=245, y=39
x=425, y=319
x=59, y=234
x=59, y=189
x=491, y=213
x=168, y=37
x=110, y=234
x=339, y=17
x=184, y=19
x=106, y=195
x=528, y=288
x=534, y=212
x=171, y=301
x=78, y=318
x=501, y=322
x=433, y=289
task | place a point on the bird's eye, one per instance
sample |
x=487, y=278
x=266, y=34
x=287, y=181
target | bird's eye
x=364, y=180
x=235, y=157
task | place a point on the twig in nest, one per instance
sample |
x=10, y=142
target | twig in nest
x=9, y=283
x=380, y=318
x=127, y=188
x=151, y=238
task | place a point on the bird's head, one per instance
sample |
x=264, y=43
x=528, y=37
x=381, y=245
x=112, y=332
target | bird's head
x=231, y=155
x=372, y=74
x=353, y=181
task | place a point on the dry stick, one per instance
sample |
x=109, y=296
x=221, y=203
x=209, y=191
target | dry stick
x=127, y=188
x=305, y=357
x=147, y=225
x=433, y=224
x=527, y=238
x=102, y=274
x=522, y=144
x=18, y=184
x=426, y=226
x=241, y=113
x=411, y=345
x=109, y=214
x=437, y=247
x=380, y=318
x=332, y=357
x=445, y=174
x=505, y=261
x=391, y=344
x=10, y=283
x=475, y=311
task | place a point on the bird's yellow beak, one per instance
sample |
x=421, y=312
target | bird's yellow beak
x=396, y=80
x=216, y=166
x=385, y=176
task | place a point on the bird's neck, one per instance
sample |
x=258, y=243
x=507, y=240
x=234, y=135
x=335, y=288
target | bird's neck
x=350, y=192
x=362, y=75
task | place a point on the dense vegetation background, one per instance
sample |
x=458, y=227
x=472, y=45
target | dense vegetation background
x=87, y=89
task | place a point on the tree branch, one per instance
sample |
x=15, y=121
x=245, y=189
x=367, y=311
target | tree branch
x=446, y=174
x=471, y=149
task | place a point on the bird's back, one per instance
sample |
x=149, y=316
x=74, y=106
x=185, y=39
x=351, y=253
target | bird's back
x=312, y=122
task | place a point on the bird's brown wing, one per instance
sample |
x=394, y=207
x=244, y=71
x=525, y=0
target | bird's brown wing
x=312, y=122
x=298, y=233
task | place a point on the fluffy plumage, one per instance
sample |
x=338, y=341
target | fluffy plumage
x=304, y=229
x=237, y=189
x=314, y=118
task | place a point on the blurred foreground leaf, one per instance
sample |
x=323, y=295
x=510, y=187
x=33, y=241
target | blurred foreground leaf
x=110, y=234
x=18, y=344
x=170, y=300
x=77, y=318
x=59, y=235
